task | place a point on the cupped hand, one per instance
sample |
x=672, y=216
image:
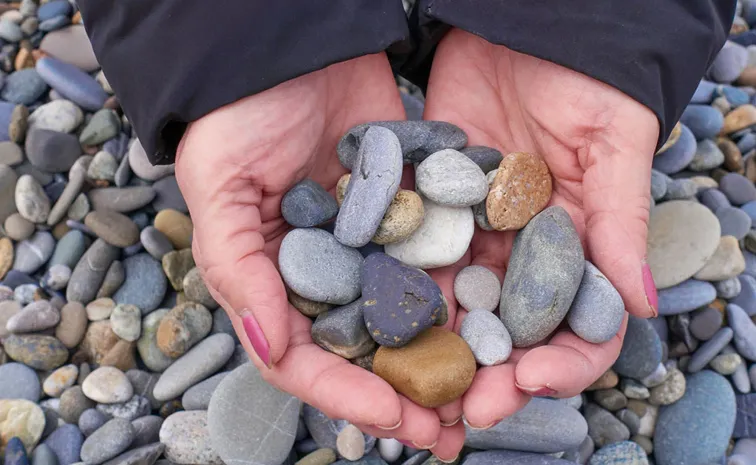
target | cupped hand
x=233, y=167
x=598, y=144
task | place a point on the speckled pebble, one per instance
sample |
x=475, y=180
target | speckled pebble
x=487, y=337
x=597, y=311
x=477, y=288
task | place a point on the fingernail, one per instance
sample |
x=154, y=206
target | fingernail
x=390, y=428
x=448, y=461
x=650, y=288
x=490, y=425
x=541, y=391
x=256, y=337
x=414, y=445
x=406, y=443
x=453, y=422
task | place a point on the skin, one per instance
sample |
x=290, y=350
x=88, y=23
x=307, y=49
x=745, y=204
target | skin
x=234, y=165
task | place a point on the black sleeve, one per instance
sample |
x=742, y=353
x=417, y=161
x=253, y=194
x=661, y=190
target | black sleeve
x=172, y=61
x=655, y=51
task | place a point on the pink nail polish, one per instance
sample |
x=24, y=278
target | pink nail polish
x=256, y=337
x=650, y=288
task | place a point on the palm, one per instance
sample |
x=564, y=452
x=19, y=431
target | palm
x=585, y=131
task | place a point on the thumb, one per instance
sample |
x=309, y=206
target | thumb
x=616, y=200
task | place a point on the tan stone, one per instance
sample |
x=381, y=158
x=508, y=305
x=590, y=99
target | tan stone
x=750, y=168
x=98, y=341
x=673, y=137
x=73, y=324
x=606, y=381
x=306, y=306
x=747, y=77
x=176, y=226
x=739, y=118
x=23, y=419
x=176, y=265
x=341, y=188
x=733, y=157
x=60, y=380
x=403, y=216
x=100, y=309
x=8, y=308
x=184, y=326
x=434, y=369
x=24, y=59
x=520, y=190
x=121, y=356
x=319, y=457
x=60, y=230
x=6, y=256
x=704, y=182
x=113, y=227
x=727, y=261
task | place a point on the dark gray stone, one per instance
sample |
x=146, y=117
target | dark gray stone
x=342, y=331
x=307, y=204
x=66, y=442
x=145, y=283
x=487, y=158
x=709, y=350
x=108, y=441
x=52, y=151
x=641, y=352
x=168, y=196
x=90, y=272
x=603, y=427
x=145, y=455
x=146, y=430
x=324, y=430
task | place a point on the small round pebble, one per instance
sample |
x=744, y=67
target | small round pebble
x=487, y=337
x=126, y=322
x=726, y=364
x=477, y=288
x=60, y=380
x=90, y=420
x=450, y=178
x=108, y=385
x=307, y=204
x=350, y=443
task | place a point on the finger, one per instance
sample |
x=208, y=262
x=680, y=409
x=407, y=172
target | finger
x=492, y=396
x=450, y=413
x=616, y=196
x=450, y=442
x=329, y=382
x=420, y=426
x=567, y=365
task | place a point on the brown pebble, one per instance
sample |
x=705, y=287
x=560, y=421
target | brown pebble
x=403, y=216
x=60, y=230
x=750, y=167
x=176, y=265
x=606, y=381
x=18, y=123
x=121, y=356
x=170, y=407
x=718, y=173
x=98, y=340
x=520, y=190
x=341, y=188
x=73, y=324
x=739, y=118
x=112, y=103
x=733, y=157
x=76, y=18
x=747, y=77
x=18, y=228
x=673, y=137
x=24, y=59
x=176, y=226
x=434, y=369
x=307, y=307
x=113, y=227
x=6, y=256
x=185, y=325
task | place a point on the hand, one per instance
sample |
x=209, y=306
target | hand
x=233, y=166
x=598, y=144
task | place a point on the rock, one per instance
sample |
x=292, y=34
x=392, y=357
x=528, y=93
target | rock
x=100, y=309
x=145, y=455
x=307, y=204
x=418, y=139
x=399, y=302
x=145, y=283
x=120, y=356
x=69, y=249
x=56, y=278
x=142, y=167
x=104, y=124
x=183, y=327
x=112, y=227
x=739, y=118
x=350, y=443
x=8, y=308
x=707, y=156
x=670, y=391
x=155, y=242
x=168, y=195
x=52, y=151
x=610, y=399
x=322, y=456
x=442, y=238
x=450, y=178
x=18, y=228
x=23, y=419
x=126, y=322
x=520, y=190
x=143, y=383
x=66, y=442
x=37, y=316
x=187, y=440
x=546, y=257
x=331, y=274
x=343, y=332
x=90, y=420
x=726, y=364
x=72, y=83
x=11, y=154
x=705, y=323
x=99, y=339
x=195, y=289
x=325, y=431
x=176, y=226
x=487, y=337
x=18, y=381
x=510, y=457
x=152, y=357
x=707, y=351
x=35, y=351
x=15, y=453
x=403, y=216
x=32, y=253
x=685, y=297
x=727, y=261
x=102, y=167
x=114, y=278
x=477, y=288
x=136, y=407
x=198, y=396
x=8, y=180
x=71, y=45
x=603, y=427
x=487, y=158
x=432, y=370
x=24, y=86
x=43, y=455
x=744, y=331
x=121, y=199
x=697, y=428
x=704, y=121
x=58, y=115
x=73, y=403
x=597, y=311
x=60, y=380
x=744, y=422
x=90, y=271
x=682, y=237
x=734, y=222
x=681, y=189
x=31, y=200
x=200, y=362
x=176, y=264
x=738, y=189
x=618, y=453
x=543, y=425
x=240, y=423
x=147, y=430
x=107, y=385
x=746, y=299
x=678, y=155
x=6, y=255
x=641, y=352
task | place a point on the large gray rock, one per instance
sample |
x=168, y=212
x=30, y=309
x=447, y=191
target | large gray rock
x=250, y=420
x=108, y=441
x=545, y=271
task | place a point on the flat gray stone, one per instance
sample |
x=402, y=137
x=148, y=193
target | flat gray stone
x=121, y=199
x=342, y=331
x=57, y=115
x=37, y=316
x=487, y=337
x=597, y=312
x=145, y=455
x=34, y=252
x=17, y=381
x=744, y=331
x=450, y=178
x=108, y=441
x=8, y=179
x=511, y=457
x=146, y=430
x=90, y=271
x=641, y=351
x=603, y=427
x=51, y=151
x=198, y=396
x=155, y=242
x=145, y=283
x=707, y=351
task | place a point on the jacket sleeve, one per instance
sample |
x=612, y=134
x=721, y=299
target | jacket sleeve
x=173, y=61
x=655, y=51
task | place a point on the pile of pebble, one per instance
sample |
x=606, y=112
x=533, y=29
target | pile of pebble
x=113, y=352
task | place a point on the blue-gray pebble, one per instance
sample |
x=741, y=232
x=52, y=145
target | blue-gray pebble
x=618, y=453
x=597, y=311
x=745, y=420
x=738, y=189
x=72, y=83
x=17, y=381
x=342, y=331
x=713, y=199
x=659, y=182
x=15, y=452
x=487, y=158
x=66, y=442
x=734, y=222
x=43, y=455
x=24, y=86
x=707, y=351
x=681, y=189
x=512, y=457
x=545, y=271
x=145, y=283
x=679, y=155
x=108, y=441
x=686, y=296
x=728, y=288
x=697, y=428
x=707, y=157
x=307, y=204
x=641, y=352
x=746, y=298
x=704, y=121
x=745, y=331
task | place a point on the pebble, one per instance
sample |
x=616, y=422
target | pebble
x=66, y=442
x=36, y=316
x=71, y=82
x=418, y=139
x=746, y=299
x=183, y=327
x=597, y=311
x=487, y=337
x=681, y=189
x=126, y=322
x=610, y=399
x=630, y=419
x=399, y=301
x=738, y=189
x=707, y=156
x=136, y=407
x=727, y=261
x=670, y=391
x=706, y=323
x=31, y=200
x=15, y=453
x=403, y=216
x=168, y=195
x=487, y=158
x=111, y=439
x=442, y=238
x=60, y=380
x=187, y=439
x=176, y=264
x=149, y=352
x=316, y=266
x=43, y=455
x=307, y=204
x=52, y=151
x=114, y=278
x=390, y=449
x=104, y=125
x=350, y=443
x=147, y=454
x=121, y=199
x=450, y=178
x=744, y=331
x=102, y=167
x=198, y=396
x=24, y=86
x=69, y=249
x=90, y=271
x=145, y=283
x=113, y=227
x=155, y=242
x=521, y=189
x=56, y=278
x=142, y=167
x=146, y=430
x=659, y=182
x=726, y=364
x=634, y=389
x=18, y=228
x=744, y=420
x=685, y=297
x=477, y=288
x=619, y=453
x=343, y=332
x=603, y=427
x=35, y=351
x=641, y=352
x=728, y=288
x=543, y=425
x=17, y=381
x=62, y=116
x=71, y=45
x=677, y=156
x=734, y=222
x=682, y=237
x=546, y=257
x=8, y=180
x=704, y=121
x=100, y=309
x=739, y=118
x=8, y=308
x=319, y=457
x=325, y=431
x=34, y=252
x=197, y=364
x=432, y=370
x=509, y=457
x=90, y=420
x=107, y=385
x=23, y=419
x=697, y=428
